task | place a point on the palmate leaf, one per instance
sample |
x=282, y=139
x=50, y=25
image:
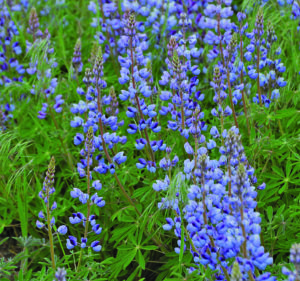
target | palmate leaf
x=124, y=257
x=121, y=232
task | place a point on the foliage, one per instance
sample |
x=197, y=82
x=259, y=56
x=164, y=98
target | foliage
x=135, y=243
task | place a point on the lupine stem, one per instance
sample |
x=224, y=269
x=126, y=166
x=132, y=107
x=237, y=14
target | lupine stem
x=88, y=203
x=229, y=175
x=101, y=10
x=138, y=102
x=245, y=237
x=123, y=191
x=230, y=97
x=257, y=80
x=242, y=81
x=206, y=222
x=227, y=71
x=222, y=117
x=50, y=231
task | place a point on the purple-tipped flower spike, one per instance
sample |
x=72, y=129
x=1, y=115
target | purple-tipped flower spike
x=136, y=69
x=76, y=61
x=236, y=274
x=48, y=187
x=181, y=80
x=34, y=25
x=45, y=193
x=94, y=53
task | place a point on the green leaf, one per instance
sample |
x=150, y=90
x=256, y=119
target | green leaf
x=22, y=209
x=141, y=260
x=270, y=212
x=129, y=257
x=277, y=171
x=149, y=247
x=282, y=189
x=181, y=244
x=133, y=274
x=280, y=210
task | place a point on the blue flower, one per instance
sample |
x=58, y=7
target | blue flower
x=76, y=218
x=78, y=139
x=169, y=225
x=62, y=229
x=97, y=229
x=119, y=158
x=97, y=184
x=39, y=224
x=96, y=246
x=142, y=163
x=71, y=242
x=188, y=148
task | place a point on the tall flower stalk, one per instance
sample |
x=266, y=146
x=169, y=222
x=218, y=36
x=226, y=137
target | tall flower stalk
x=45, y=193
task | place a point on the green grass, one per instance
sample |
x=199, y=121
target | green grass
x=128, y=251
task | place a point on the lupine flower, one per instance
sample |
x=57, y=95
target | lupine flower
x=60, y=274
x=34, y=25
x=43, y=69
x=212, y=215
x=76, y=61
x=182, y=52
x=293, y=275
x=135, y=69
x=71, y=242
x=85, y=170
x=10, y=68
x=263, y=67
x=46, y=194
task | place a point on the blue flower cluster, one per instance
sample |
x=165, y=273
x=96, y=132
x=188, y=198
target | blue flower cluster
x=43, y=66
x=263, y=67
x=93, y=110
x=11, y=71
x=86, y=198
x=60, y=274
x=295, y=12
x=181, y=78
x=218, y=217
x=293, y=275
x=162, y=17
x=45, y=194
x=135, y=69
x=110, y=24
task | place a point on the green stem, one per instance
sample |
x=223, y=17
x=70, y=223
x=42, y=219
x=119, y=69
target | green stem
x=257, y=80
x=50, y=231
x=88, y=202
x=227, y=72
x=243, y=91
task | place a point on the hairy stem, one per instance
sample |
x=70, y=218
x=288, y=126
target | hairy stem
x=242, y=81
x=50, y=231
x=88, y=204
x=227, y=71
x=138, y=102
x=257, y=79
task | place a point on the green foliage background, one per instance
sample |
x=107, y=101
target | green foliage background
x=128, y=251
